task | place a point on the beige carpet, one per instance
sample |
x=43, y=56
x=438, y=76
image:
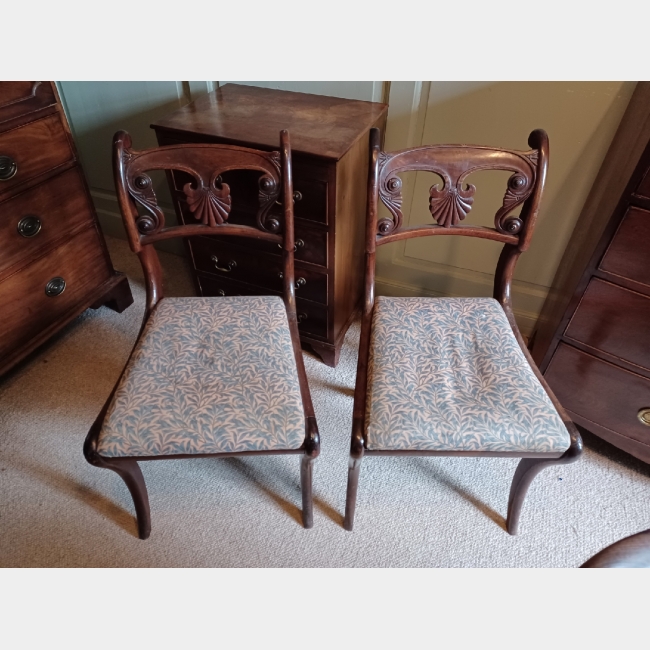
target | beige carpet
x=57, y=510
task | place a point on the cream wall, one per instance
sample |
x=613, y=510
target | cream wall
x=580, y=119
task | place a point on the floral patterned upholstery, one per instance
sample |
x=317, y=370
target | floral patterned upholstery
x=448, y=374
x=209, y=375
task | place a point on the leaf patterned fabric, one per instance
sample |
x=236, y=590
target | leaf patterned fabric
x=209, y=375
x=448, y=374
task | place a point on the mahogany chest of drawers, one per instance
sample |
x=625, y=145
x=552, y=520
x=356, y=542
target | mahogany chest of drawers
x=329, y=143
x=54, y=263
x=593, y=338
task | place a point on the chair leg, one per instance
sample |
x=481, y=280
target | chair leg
x=131, y=474
x=354, y=469
x=306, y=471
x=528, y=469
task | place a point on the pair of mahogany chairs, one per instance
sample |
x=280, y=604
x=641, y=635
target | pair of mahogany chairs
x=225, y=376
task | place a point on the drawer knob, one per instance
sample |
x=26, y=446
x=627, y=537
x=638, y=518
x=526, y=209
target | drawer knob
x=221, y=292
x=297, y=196
x=8, y=168
x=302, y=316
x=55, y=287
x=224, y=269
x=29, y=226
x=644, y=416
x=300, y=282
x=299, y=244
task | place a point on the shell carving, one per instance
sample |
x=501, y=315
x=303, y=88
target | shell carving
x=211, y=206
x=451, y=204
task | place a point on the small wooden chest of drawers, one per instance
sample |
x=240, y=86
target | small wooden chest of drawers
x=593, y=338
x=329, y=142
x=54, y=262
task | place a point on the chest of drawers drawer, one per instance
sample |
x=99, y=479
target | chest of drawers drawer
x=614, y=320
x=613, y=398
x=626, y=255
x=42, y=292
x=31, y=150
x=265, y=271
x=35, y=219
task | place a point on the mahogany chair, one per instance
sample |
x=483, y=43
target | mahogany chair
x=217, y=376
x=452, y=376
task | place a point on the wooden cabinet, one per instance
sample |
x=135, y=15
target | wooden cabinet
x=329, y=142
x=54, y=262
x=593, y=337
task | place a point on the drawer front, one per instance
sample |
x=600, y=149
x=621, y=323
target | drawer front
x=244, y=265
x=33, y=220
x=311, y=242
x=31, y=150
x=614, y=320
x=26, y=307
x=627, y=254
x=22, y=97
x=600, y=392
x=312, y=317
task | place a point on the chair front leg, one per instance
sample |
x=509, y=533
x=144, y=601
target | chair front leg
x=528, y=469
x=306, y=471
x=129, y=471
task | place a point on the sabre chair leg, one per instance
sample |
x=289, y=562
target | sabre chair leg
x=528, y=469
x=131, y=474
x=306, y=471
x=354, y=469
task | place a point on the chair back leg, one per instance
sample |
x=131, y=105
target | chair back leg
x=354, y=469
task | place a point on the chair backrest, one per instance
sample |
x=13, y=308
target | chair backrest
x=208, y=199
x=450, y=203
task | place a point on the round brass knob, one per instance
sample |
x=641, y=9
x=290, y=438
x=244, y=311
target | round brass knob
x=8, y=168
x=55, y=287
x=29, y=226
x=644, y=416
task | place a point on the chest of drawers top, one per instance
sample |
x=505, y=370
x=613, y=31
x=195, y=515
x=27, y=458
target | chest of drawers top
x=325, y=127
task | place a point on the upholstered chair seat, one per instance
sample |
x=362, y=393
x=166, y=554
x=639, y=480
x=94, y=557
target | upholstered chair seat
x=447, y=374
x=208, y=376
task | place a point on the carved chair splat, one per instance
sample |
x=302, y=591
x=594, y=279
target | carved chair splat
x=384, y=420
x=203, y=377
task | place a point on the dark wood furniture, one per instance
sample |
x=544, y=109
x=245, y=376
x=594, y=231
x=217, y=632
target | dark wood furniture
x=198, y=171
x=631, y=552
x=54, y=261
x=449, y=204
x=592, y=340
x=330, y=144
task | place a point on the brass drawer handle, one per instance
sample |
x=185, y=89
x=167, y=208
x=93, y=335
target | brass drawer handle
x=300, y=282
x=224, y=269
x=644, y=416
x=301, y=317
x=55, y=287
x=299, y=244
x=29, y=226
x=8, y=168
